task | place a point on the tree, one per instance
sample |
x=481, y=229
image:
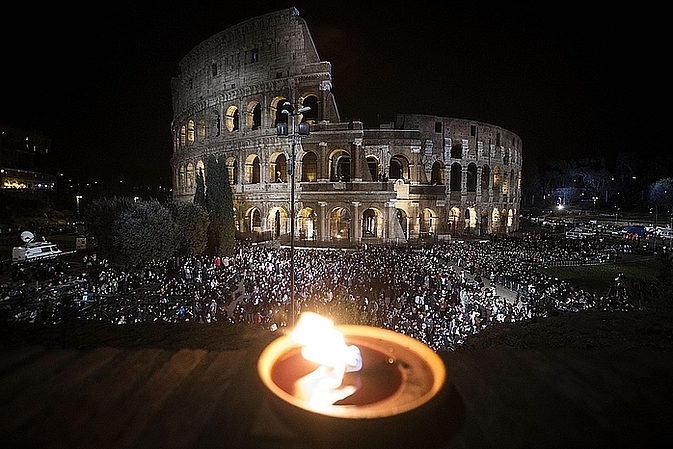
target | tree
x=221, y=208
x=144, y=232
x=661, y=192
x=191, y=227
x=200, y=194
x=100, y=217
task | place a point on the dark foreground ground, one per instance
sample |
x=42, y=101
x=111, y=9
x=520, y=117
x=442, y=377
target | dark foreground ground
x=620, y=331
x=576, y=380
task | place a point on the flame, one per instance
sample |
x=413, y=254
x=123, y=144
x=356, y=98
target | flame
x=325, y=345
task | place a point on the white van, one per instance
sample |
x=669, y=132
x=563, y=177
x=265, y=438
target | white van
x=33, y=250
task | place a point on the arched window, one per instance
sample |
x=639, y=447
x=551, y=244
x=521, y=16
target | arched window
x=437, y=177
x=279, y=117
x=232, y=168
x=232, y=120
x=190, y=175
x=309, y=167
x=456, y=177
x=340, y=169
x=496, y=178
x=190, y=131
x=373, y=165
x=252, y=169
x=183, y=135
x=254, y=117
x=472, y=177
x=279, y=168
x=312, y=102
x=399, y=167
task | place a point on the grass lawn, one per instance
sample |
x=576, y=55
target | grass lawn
x=599, y=278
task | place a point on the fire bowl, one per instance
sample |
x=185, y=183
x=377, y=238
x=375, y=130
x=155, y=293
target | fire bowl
x=400, y=385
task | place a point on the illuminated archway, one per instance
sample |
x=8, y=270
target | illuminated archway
x=340, y=166
x=278, y=221
x=252, y=169
x=470, y=220
x=232, y=121
x=309, y=167
x=495, y=221
x=278, y=167
x=437, y=177
x=308, y=224
x=253, y=220
x=340, y=224
x=399, y=167
x=428, y=222
x=454, y=218
x=372, y=223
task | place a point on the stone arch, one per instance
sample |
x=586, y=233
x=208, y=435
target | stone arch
x=309, y=167
x=472, y=177
x=372, y=223
x=200, y=168
x=456, y=177
x=278, y=221
x=399, y=167
x=428, y=221
x=470, y=221
x=437, y=177
x=497, y=178
x=190, y=131
x=403, y=220
x=252, y=169
x=278, y=167
x=340, y=165
x=454, y=218
x=232, y=168
x=253, y=116
x=339, y=224
x=510, y=218
x=232, y=119
x=373, y=165
x=276, y=115
x=189, y=178
x=253, y=220
x=495, y=220
x=310, y=100
x=308, y=224
x=181, y=177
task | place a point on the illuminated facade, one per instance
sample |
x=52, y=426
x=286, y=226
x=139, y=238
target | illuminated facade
x=420, y=177
x=19, y=151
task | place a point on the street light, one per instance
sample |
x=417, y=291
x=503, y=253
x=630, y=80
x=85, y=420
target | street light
x=78, y=198
x=293, y=129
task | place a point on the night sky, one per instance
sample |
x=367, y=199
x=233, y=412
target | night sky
x=572, y=80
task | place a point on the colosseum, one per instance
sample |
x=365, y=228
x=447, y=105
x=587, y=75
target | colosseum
x=421, y=177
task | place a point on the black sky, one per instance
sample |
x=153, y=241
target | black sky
x=571, y=79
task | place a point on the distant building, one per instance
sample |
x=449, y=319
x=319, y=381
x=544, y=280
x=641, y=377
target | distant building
x=421, y=177
x=19, y=153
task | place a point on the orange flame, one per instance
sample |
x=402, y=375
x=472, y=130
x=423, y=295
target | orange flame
x=325, y=345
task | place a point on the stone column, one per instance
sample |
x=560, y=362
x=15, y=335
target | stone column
x=323, y=221
x=323, y=164
x=356, y=222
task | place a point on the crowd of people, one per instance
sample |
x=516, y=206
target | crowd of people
x=440, y=294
